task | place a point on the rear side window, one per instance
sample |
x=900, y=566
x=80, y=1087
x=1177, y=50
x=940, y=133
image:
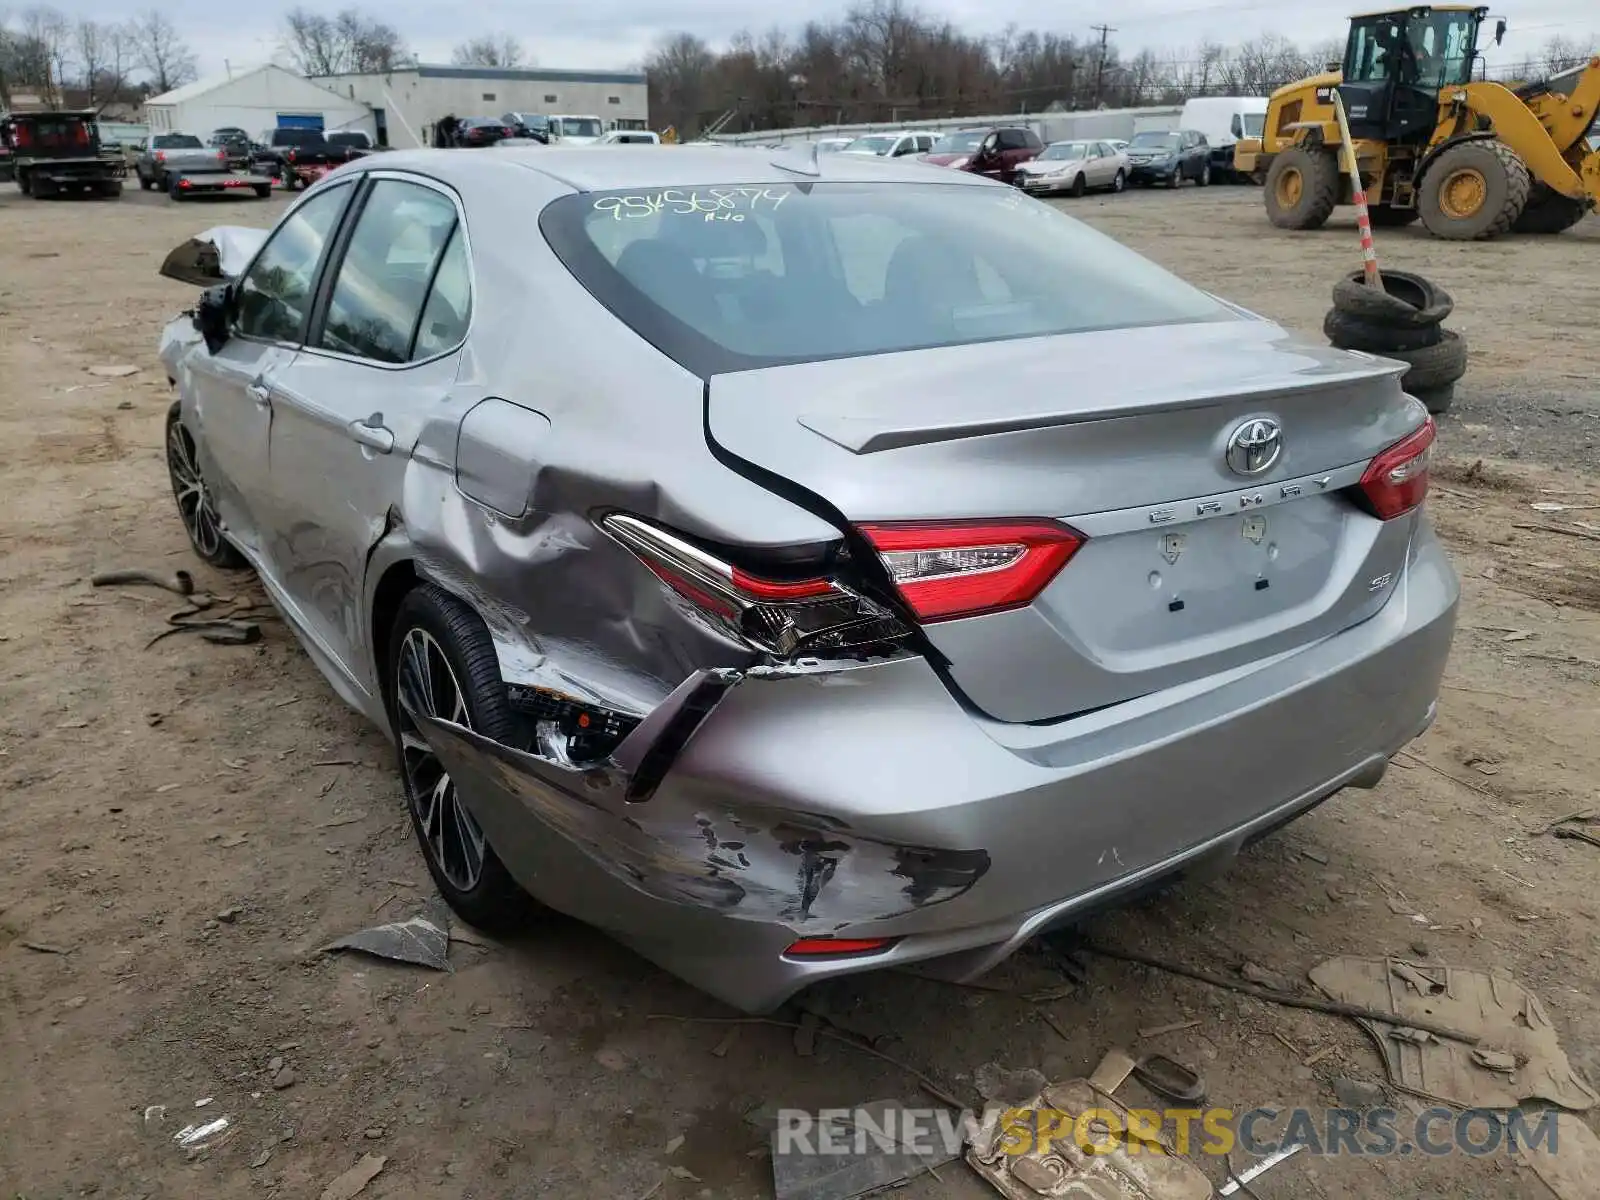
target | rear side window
x=274, y=296
x=449, y=306
x=725, y=278
x=388, y=267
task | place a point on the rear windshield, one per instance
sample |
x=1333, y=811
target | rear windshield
x=295, y=137
x=177, y=141
x=726, y=278
x=347, y=139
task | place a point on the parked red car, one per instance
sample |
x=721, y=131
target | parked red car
x=993, y=152
x=481, y=131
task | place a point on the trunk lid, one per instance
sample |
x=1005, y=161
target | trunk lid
x=1190, y=569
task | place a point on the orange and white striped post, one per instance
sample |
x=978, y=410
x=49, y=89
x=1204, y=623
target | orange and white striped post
x=1358, y=194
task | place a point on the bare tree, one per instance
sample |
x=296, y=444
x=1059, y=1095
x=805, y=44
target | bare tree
x=350, y=42
x=1563, y=53
x=161, y=51
x=490, y=50
x=103, y=58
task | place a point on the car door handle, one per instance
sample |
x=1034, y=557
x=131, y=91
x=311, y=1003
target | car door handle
x=372, y=434
x=260, y=393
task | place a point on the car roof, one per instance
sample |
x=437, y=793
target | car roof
x=608, y=168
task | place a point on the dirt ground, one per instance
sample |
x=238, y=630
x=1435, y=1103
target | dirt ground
x=183, y=826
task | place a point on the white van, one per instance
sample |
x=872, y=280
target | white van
x=1224, y=120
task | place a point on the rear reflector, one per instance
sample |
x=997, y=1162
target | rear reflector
x=820, y=947
x=1397, y=480
x=949, y=569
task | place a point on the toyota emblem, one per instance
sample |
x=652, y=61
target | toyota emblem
x=1255, y=446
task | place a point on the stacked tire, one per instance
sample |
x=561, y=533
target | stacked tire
x=1404, y=321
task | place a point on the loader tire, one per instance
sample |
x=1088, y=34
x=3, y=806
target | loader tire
x=1354, y=333
x=1549, y=212
x=1302, y=188
x=1474, y=191
x=1406, y=300
x=1435, y=366
x=1386, y=216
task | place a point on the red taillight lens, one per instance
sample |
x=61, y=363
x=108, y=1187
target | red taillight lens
x=826, y=946
x=22, y=137
x=779, y=616
x=1397, y=480
x=222, y=156
x=161, y=156
x=949, y=569
x=80, y=134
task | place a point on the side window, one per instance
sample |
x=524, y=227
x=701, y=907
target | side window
x=382, y=281
x=274, y=297
x=449, y=306
x=1033, y=140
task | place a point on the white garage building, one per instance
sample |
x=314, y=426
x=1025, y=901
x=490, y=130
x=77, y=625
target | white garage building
x=268, y=97
x=410, y=100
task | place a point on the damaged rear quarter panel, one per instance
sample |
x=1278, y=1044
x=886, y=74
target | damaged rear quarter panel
x=743, y=858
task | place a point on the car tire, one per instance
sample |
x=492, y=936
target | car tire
x=1120, y=182
x=174, y=191
x=1549, y=212
x=1080, y=185
x=25, y=184
x=1406, y=299
x=1205, y=175
x=145, y=183
x=263, y=190
x=1354, y=333
x=435, y=627
x=1433, y=366
x=192, y=495
x=1302, y=188
x=1436, y=400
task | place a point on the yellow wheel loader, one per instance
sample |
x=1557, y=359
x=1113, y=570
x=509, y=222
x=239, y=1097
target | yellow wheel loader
x=1470, y=158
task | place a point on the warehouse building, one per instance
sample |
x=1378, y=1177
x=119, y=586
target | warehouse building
x=407, y=102
x=264, y=98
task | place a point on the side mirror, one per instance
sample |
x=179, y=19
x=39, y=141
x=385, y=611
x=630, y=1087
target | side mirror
x=1499, y=31
x=214, y=314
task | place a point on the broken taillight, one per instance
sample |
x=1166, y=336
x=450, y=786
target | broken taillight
x=1396, y=481
x=949, y=569
x=783, y=617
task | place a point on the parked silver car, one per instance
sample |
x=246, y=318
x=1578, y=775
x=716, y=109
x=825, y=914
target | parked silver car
x=1074, y=167
x=775, y=563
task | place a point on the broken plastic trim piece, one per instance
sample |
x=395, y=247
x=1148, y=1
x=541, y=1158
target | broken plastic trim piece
x=674, y=733
x=775, y=616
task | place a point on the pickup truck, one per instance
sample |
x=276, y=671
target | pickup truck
x=295, y=157
x=165, y=157
x=53, y=152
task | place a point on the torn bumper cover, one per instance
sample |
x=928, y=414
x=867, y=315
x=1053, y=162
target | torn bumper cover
x=816, y=800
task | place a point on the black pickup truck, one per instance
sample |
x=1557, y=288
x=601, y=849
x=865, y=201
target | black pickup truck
x=295, y=157
x=55, y=152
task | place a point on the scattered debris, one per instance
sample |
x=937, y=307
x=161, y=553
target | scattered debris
x=1237, y=1180
x=1170, y=1078
x=1358, y=1093
x=284, y=1078
x=720, y=1050
x=888, y=1163
x=1006, y=1086
x=805, y=1034
x=1336, y=1008
x=1315, y=856
x=154, y=1114
x=1317, y=1056
x=675, y=1144
x=45, y=948
x=1256, y=973
x=113, y=370
x=683, y=1173
x=1049, y=1019
x=229, y=915
x=179, y=583
x=202, y=1137
x=355, y=1180
x=423, y=939
x=263, y=1156
x=1107, y=1168
x=1494, y=1010
x=1175, y=1027
x=1518, y=635
x=340, y=822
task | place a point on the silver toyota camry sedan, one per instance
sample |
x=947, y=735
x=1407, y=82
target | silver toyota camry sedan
x=773, y=561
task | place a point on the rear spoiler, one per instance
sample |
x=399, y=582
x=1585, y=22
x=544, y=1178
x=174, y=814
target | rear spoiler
x=215, y=256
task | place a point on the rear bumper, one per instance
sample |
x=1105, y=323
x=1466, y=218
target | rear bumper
x=212, y=182
x=867, y=799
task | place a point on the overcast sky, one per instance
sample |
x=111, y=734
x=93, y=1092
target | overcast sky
x=619, y=33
